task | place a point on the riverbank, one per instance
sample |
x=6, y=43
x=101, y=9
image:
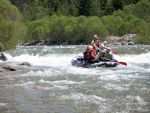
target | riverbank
x=128, y=39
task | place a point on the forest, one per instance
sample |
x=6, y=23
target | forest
x=72, y=21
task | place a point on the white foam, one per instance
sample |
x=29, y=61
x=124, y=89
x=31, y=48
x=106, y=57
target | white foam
x=59, y=63
x=3, y=104
x=85, y=98
x=136, y=58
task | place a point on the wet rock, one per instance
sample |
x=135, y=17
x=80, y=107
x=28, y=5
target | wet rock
x=25, y=64
x=117, y=43
x=1, y=70
x=38, y=87
x=31, y=44
x=2, y=78
x=131, y=43
x=124, y=40
x=8, y=68
x=3, y=57
x=129, y=37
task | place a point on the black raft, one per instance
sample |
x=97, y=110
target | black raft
x=79, y=61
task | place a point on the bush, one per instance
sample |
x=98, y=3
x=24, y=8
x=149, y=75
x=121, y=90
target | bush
x=12, y=30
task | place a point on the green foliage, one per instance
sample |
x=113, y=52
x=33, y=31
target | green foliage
x=37, y=29
x=112, y=23
x=58, y=30
x=140, y=10
x=35, y=9
x=133, y=25
x=9, y=12
x=12, y=31
x=129, y=9
x=72, y=21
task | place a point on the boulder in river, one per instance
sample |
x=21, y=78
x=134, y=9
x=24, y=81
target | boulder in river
x=8, y=68
x=38, y=87
x=3, y=57
x=25, y=64
x=1, y=69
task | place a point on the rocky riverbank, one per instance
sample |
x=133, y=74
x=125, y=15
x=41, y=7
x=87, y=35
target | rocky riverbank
x=124, y=40
x=114, y=40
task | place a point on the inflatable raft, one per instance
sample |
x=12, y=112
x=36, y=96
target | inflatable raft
x=79, y=61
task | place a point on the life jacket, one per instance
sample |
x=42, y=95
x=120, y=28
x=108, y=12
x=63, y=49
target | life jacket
x=92, y=52
x=97, y=43
x=100, y=54
x=94, y=41
x=106, y=55
x=94, y=47
x=102, y=46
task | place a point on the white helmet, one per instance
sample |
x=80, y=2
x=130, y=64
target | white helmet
x=105, y=42
x=108, y=48
x=95, y=36
x=90, y=47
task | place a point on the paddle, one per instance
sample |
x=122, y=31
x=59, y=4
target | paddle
x=114, y=52
x=123, y=63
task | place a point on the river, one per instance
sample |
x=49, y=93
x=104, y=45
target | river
x=53, y=85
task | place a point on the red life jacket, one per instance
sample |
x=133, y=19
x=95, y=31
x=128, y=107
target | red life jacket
x=92, y=52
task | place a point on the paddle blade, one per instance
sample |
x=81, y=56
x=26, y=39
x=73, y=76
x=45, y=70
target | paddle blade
x=123, y=63
x=114, y=52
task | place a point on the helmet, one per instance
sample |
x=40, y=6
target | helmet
x=108, y=48
x=105, y=42
x=95, y=36
x=90, y=47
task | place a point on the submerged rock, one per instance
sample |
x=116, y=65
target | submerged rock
x=38, y=87
x=3, y=57
x=8, y=68
x=25, y=64
x=1, y=70
x=2, y=78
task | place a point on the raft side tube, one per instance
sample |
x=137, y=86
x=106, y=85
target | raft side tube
x=111, y=64
x=78, y=61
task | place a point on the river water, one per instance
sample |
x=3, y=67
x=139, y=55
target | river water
x=53, y=85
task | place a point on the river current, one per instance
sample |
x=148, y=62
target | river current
x=53, y=85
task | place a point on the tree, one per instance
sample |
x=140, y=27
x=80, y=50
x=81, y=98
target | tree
x=12, y=30
x=142, y=10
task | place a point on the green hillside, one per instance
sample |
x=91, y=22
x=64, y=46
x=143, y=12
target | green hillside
x=71, y=21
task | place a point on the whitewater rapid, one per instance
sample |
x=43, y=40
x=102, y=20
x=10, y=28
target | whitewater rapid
x=52, y=84
x=64, y=60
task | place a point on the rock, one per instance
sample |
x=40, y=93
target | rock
x=124, y=40
x=129, y=37
x=124, y=43
x=2, y=78
x=25, y=64
x=31, y=44
x=8, y=68
x=131, y=43
x=3, y=57
x=117, y=43
x=1, y=70
x=38, y=87
x=113, y=39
